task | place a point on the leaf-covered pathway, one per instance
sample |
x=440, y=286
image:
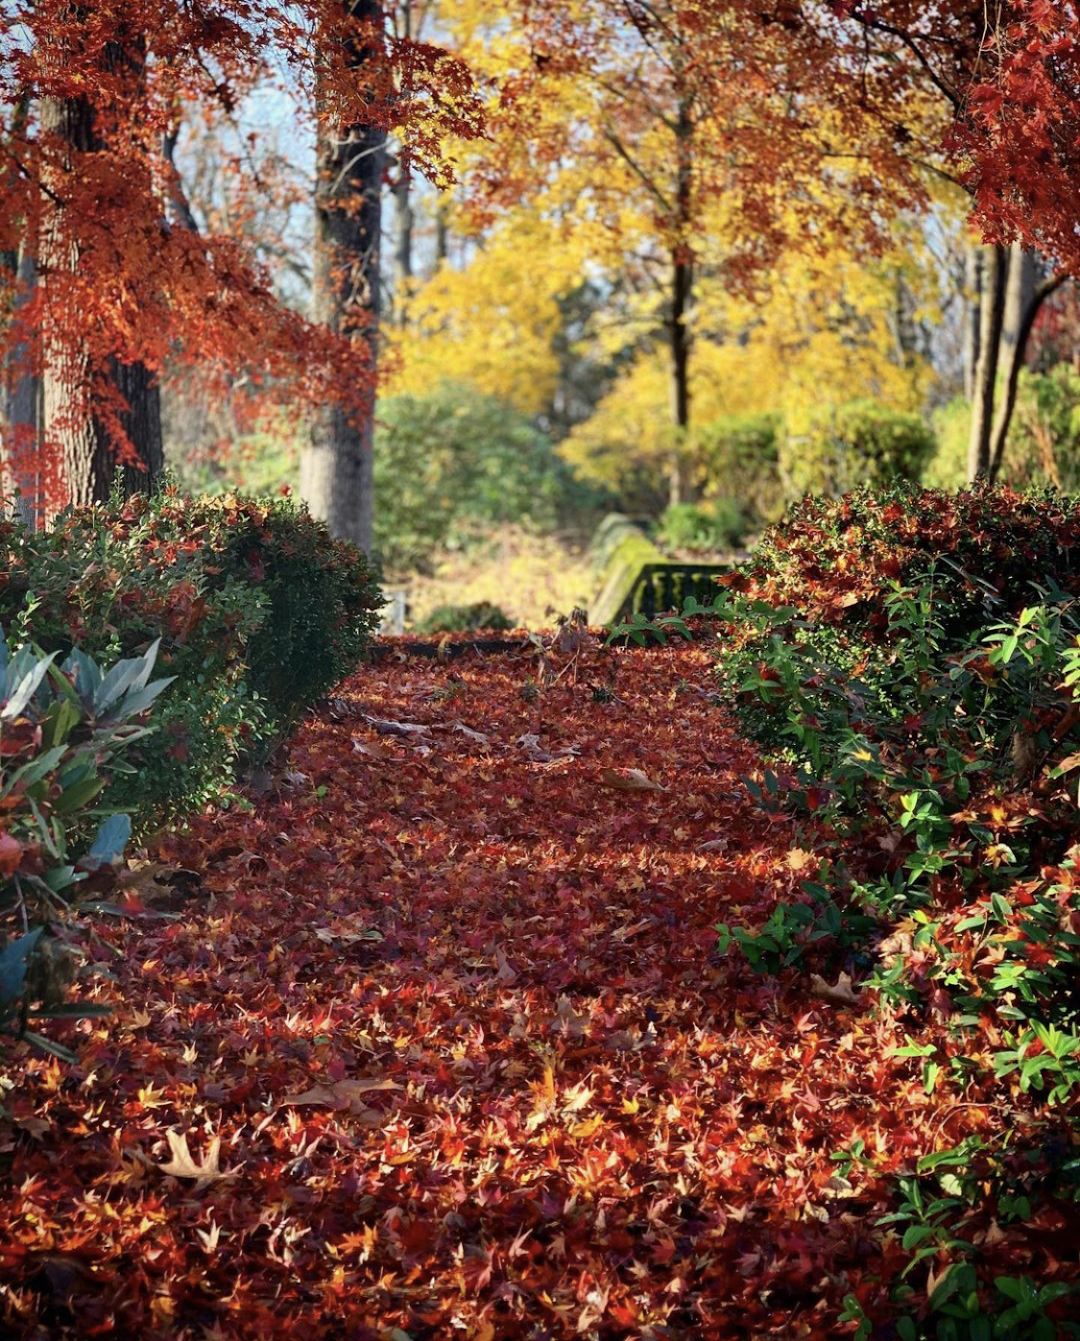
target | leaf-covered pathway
x=444, y=1046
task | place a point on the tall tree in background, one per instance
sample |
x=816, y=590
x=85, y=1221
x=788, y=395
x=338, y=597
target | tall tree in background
x=987, y=98
x=126, y=284
x=336, y=472
x=685, y=139
x=619, y=92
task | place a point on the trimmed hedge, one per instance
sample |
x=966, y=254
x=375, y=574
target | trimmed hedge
x=911, y=663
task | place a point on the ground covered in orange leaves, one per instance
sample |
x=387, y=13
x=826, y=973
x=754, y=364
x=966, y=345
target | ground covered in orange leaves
x=435, y=1042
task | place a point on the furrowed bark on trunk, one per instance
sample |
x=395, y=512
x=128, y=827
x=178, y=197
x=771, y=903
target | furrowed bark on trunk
x=995, y=274
x=336, y=467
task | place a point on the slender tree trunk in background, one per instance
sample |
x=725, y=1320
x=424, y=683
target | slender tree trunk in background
x=973, y=283
x=1019, y=292
x=442, y=233
x=1015, y=350
x=995, y=276
x=680, y=375
x=90, y=465
x=336, y=468
x=20, y=400
x=404, y=215
x=404, y=224
x=682, y=279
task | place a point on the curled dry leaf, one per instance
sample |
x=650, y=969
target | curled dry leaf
x=633, y=780
x=530, y=743
x=840, y=993
x=337, y=1094
x=506, y=972
x=470, y=734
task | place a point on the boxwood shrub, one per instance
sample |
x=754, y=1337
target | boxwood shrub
x=258, y=609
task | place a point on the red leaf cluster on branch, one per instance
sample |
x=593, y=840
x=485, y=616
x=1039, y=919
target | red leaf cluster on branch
x=1022, y=129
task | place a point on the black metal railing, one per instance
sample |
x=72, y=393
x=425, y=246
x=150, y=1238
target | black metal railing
x=666, y=586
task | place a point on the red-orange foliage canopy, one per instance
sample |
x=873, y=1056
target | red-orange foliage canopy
x=121, y=275
x=1022, y=128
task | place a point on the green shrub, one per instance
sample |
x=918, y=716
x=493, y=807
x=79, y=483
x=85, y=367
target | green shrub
x=1044, y=438
x=455, y=463
x=321, y=596
x=465, y=618
x=1043, y=447
x=708, y=527
x=833, y=560
x=739, y=458
x=864, y=443
x=947, y=467
x=104, y=581
x=257, y=609
x=64, y=727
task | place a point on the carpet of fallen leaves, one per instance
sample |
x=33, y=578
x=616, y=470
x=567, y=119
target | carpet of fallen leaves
x=435, y=1042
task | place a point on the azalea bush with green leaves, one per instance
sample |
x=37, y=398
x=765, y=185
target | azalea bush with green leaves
x=453, y=464
x=64, y=728
x=739, y=458
x=719, y=524
x=912, y=665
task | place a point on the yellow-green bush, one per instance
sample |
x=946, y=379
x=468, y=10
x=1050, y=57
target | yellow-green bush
x=862, y=443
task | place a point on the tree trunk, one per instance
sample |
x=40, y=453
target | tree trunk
x=1015, y=352
x=71, y=426
x=442, y=232
x=20, y=401
x=682, y=279
x=995, y=274
x=20, y=385
x=404, y=224
x=336, y=474
x=1019, y=292
x=973, y=283
x=680, y=375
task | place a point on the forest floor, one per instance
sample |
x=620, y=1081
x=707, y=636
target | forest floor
x=434, y=1041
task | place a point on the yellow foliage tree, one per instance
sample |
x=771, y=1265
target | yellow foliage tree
x=486, y=325
x=616, y=166
x=825, y=331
